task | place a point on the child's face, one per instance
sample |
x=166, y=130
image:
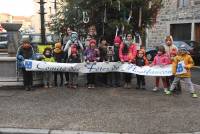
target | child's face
x=140, y=54
x=168, y=42
x=47, y=52
x=104, y=42
x=74, y=54
x=93, y=45
x=117, y=44
x=160, y=52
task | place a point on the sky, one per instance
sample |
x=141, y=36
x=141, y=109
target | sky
x=17, y=7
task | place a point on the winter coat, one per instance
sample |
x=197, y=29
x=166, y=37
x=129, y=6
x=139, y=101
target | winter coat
x=188, y=65
x=141, y=61
x=169, y=49
x=161, y=60
x=58, y=56
x=23, y=54
x=116, y=54
x=91, y=54
x=74, y=59
x=103, y=53
x=130, y=56
x=51, y=59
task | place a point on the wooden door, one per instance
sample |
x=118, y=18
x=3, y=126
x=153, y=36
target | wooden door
x=181, y=31
x=197, y=32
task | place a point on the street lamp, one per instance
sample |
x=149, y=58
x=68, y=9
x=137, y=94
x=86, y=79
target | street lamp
x=42, y=21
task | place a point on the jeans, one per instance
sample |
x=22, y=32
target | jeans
x=187, y=80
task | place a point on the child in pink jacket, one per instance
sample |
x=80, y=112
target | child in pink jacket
x=127, y=53
x=161, y=59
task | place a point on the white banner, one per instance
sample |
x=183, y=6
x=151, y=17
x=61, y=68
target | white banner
x=99, y=67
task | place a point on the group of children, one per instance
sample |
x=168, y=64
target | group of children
x=120, y=51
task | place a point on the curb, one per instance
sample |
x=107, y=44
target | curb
x=48, y=131
x=23, y=131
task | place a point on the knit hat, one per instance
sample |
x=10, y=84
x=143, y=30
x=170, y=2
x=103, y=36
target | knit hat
x=92, y=41
x=74, y=36
x=58, y=45
x=117, y=40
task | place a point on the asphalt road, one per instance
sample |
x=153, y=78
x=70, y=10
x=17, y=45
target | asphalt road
x=196, y=75
x=100, y=109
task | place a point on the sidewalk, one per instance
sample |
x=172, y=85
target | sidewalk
x=111, y=110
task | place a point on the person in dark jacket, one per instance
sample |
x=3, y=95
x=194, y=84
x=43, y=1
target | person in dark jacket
x=141, y=60
x=73, y=58
x=58, y=55
x=25, y=51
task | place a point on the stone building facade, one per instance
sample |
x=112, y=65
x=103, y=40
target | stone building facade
x=179, y=18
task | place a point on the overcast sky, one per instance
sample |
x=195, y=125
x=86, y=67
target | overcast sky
x=17, y=7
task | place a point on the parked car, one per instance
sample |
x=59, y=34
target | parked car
x=3, y=40
x=151, y=53
x=193, y=49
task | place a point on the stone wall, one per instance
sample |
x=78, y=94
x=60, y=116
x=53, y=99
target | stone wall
x=171, y=14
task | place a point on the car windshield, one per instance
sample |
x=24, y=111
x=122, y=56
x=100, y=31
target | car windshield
x=180, y=43
x=3, y=37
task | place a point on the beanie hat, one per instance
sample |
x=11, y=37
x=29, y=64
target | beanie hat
x=74, y=36
x=58, y=45
x=92, y=41
x=117, y=40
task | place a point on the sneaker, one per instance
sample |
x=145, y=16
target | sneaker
x=50, y=86
x=165, y=90
x=155, y=89
x=89, y=86
x=45, y=86
x=125, y=85
x=137, y=87
x=143, y=87
x=194, y=95
x=168, y=92
x=92, y=86
x=128, y=86
x=66, y=83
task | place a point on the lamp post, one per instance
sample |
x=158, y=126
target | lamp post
x=42, y=21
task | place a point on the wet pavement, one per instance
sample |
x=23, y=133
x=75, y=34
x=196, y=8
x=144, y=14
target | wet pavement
x=102, y=109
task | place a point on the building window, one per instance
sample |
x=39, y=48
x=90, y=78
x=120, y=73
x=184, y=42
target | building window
x=183, y=3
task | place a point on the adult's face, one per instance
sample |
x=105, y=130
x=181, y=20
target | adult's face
x=129, y=37
x=168, y=42
x=69, y=31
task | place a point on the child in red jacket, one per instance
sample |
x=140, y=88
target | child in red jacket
x=161, y=59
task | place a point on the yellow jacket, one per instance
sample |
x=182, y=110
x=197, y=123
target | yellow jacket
x=188, y=65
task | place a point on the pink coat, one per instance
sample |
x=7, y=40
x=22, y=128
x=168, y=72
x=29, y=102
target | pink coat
x=161, y=60
x=132, y=52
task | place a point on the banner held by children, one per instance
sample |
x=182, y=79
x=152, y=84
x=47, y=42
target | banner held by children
x=99, y=67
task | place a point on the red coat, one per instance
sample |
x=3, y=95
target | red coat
x=161, y=60
x=130, y=56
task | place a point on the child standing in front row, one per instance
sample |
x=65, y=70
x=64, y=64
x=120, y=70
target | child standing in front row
x=140, y=61
x=161, y=59
x=188, y=64
x=47, y=77
x=73, y=58
x=91, y=55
